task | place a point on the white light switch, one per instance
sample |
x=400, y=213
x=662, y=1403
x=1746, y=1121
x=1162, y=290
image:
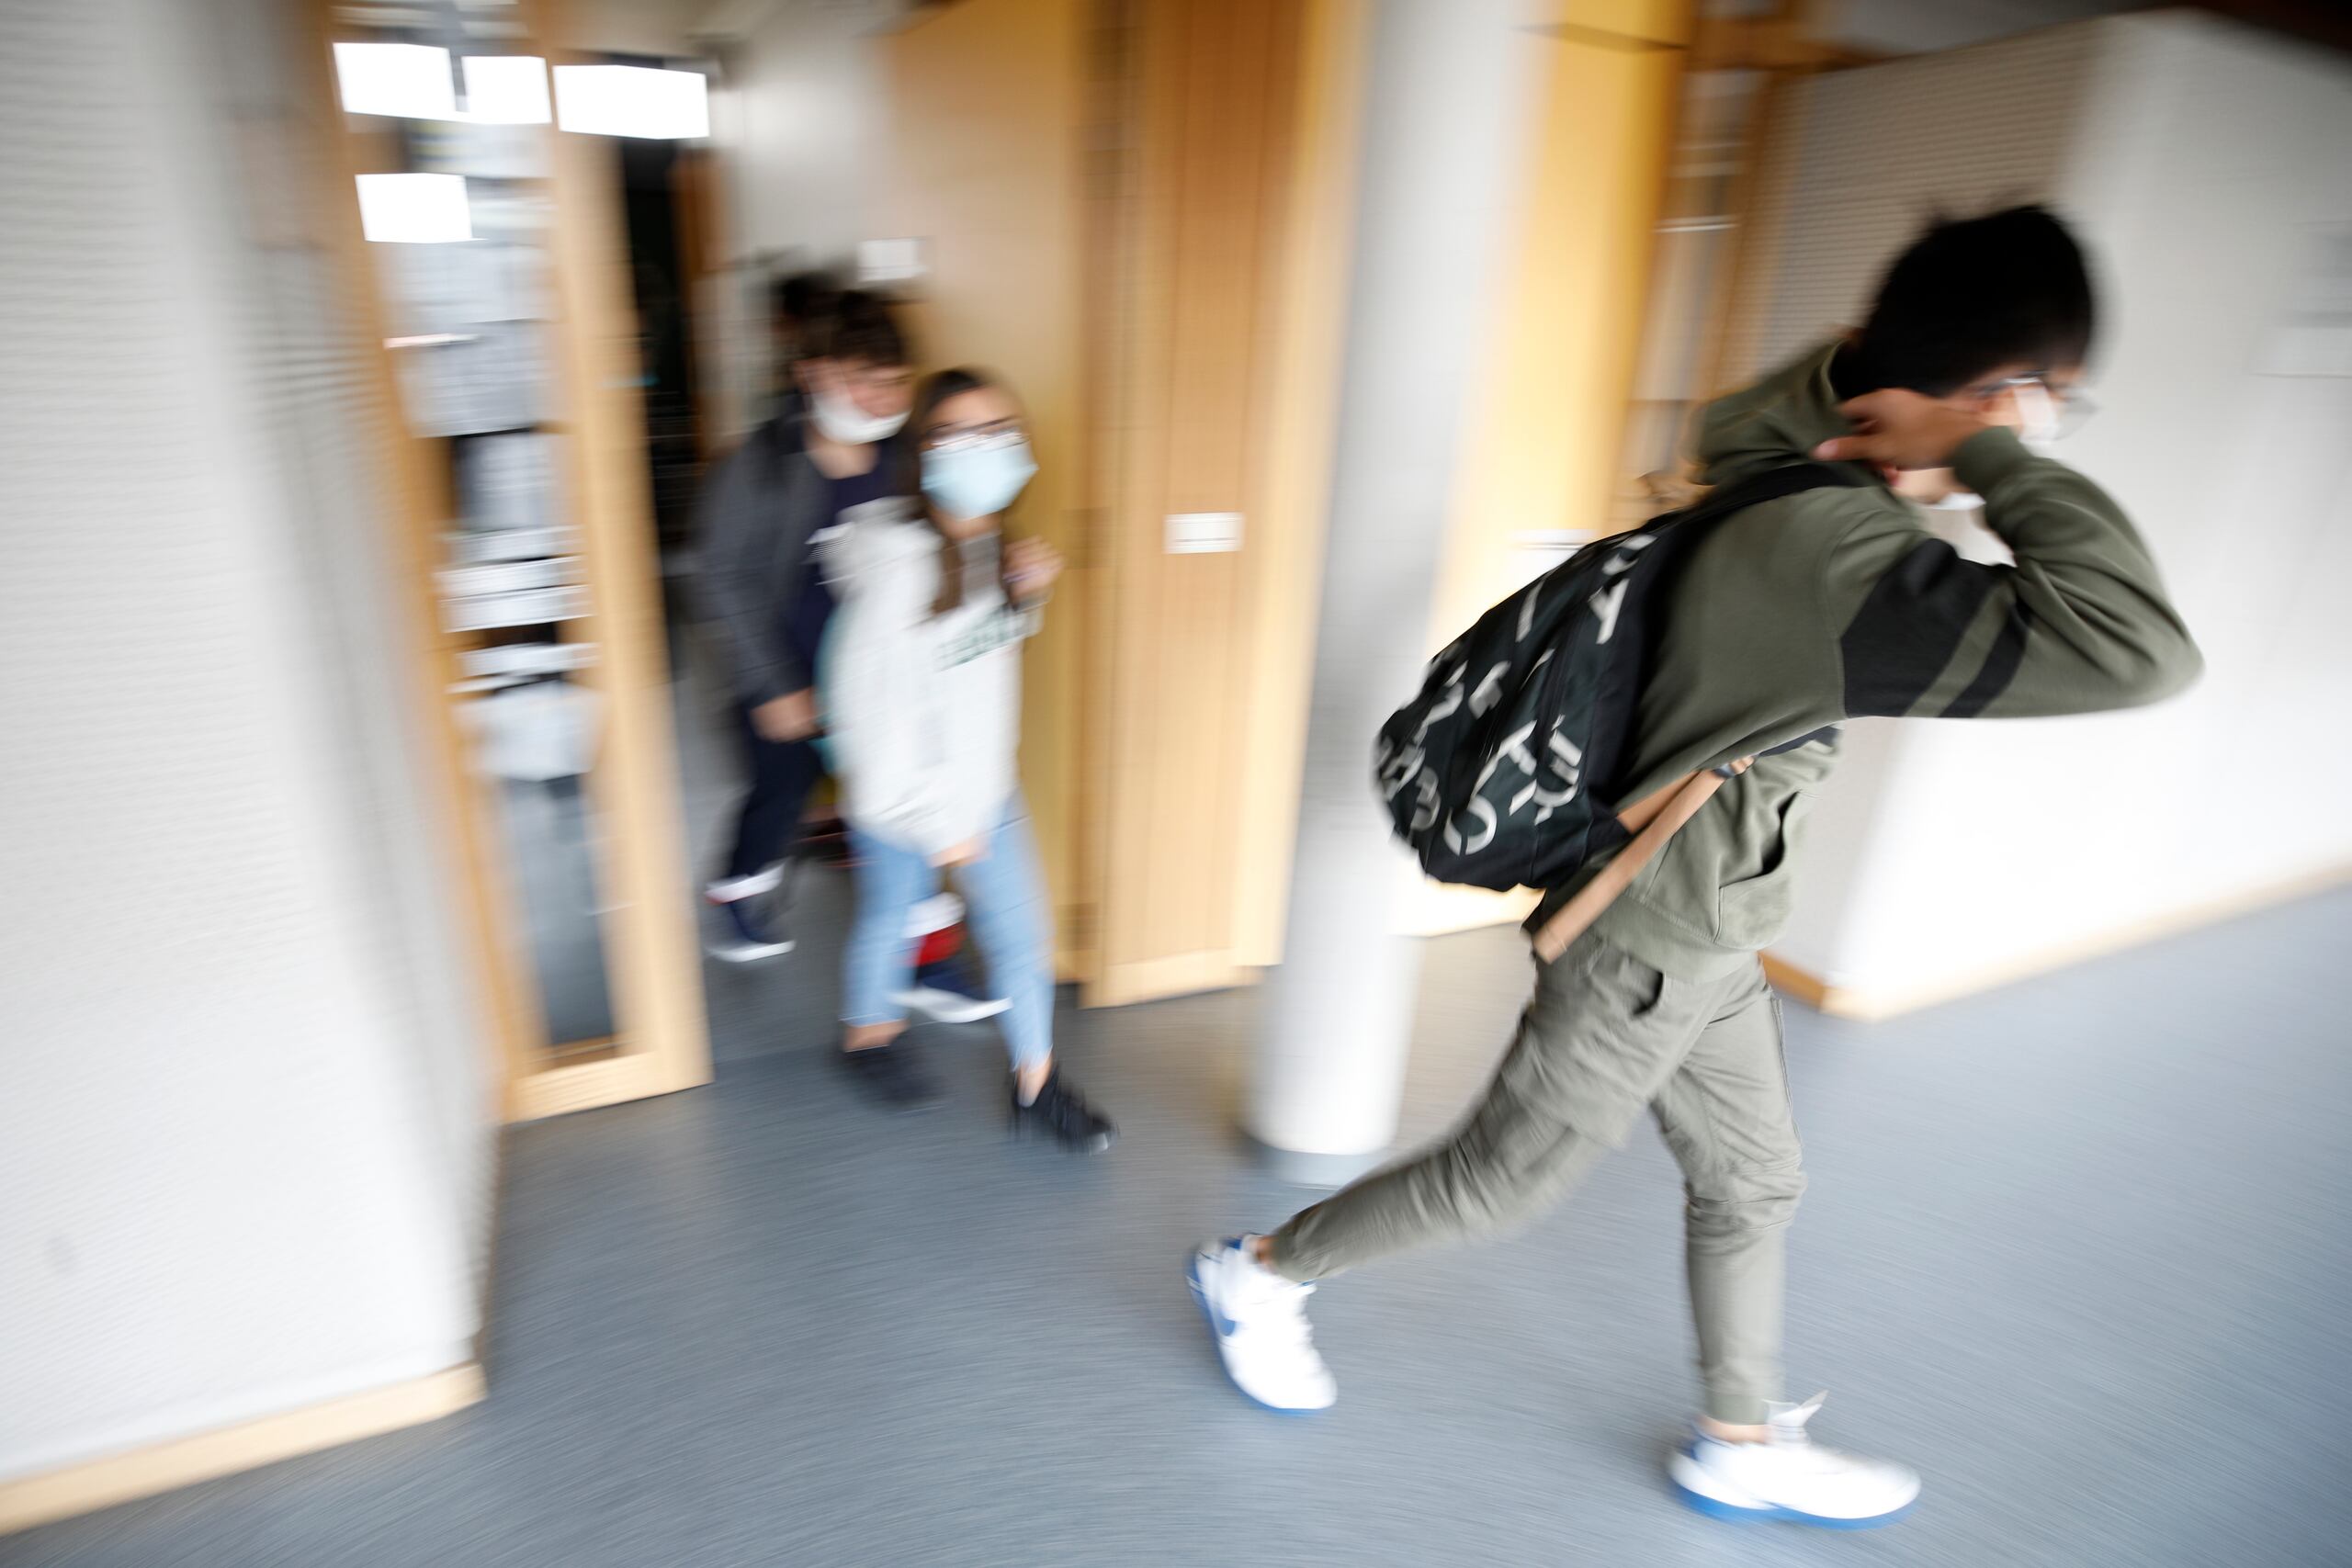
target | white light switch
x=1203, y=533
x=881, y=262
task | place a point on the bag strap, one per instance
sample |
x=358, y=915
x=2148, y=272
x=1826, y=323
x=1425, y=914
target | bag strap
x=1652, y=820
x=1773, y=484
x=1656, y=817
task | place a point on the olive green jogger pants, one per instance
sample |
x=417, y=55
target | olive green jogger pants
x=1605, y=1035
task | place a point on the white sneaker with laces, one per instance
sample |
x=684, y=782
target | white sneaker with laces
x=1790, y=1477
x=1259, y=1320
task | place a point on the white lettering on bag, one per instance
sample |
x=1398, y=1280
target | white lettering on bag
x=1490, y=689
x=1480, y=807
x=1605, y=605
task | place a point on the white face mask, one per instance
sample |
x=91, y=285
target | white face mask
x=2038, y=422
x=844, y=422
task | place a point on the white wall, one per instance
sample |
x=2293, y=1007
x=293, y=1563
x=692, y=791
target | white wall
x=246, y=1136
x=2198, y=157
x=1879, y=153
x=802, y=128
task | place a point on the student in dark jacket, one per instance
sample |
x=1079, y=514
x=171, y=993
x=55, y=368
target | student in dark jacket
x=758, y=585
x=1794, y=615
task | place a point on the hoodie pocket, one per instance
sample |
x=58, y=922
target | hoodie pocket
x=1751, y=910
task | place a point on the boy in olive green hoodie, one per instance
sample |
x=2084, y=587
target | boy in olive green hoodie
x=1792, y=616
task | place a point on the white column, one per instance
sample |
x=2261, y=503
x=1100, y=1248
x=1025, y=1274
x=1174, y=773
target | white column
x=1450, y=86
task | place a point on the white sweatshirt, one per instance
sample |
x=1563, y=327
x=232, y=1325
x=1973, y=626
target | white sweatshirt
x=921, y=712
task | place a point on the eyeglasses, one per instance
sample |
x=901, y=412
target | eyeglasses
x=2060, y=408
x=976, y=440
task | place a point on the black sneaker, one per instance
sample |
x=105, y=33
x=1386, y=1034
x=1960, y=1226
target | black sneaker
x=891, y=1076
x=1061, y=1113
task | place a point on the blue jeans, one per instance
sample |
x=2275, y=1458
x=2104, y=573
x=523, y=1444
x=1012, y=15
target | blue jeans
x=1004, y=902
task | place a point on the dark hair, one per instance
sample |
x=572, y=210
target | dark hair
x=799, y=298
x=930, y=392
x=935, y=389
x=1972, y=295
x=852, y=325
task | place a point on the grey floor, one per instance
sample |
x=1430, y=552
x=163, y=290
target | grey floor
x=2080, y=1249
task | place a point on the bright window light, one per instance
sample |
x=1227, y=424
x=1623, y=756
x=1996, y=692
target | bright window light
x=506, y=89
x=632, y=100
x=414, y=210
x=409, y=80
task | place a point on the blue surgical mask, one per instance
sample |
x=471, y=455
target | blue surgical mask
x=976, y=478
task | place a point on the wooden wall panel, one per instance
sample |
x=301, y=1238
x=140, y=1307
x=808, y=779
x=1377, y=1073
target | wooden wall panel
x=983, y=162
x=1203, y=213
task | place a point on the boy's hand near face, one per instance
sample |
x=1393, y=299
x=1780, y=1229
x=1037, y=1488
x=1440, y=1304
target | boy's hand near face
x=1898, y=430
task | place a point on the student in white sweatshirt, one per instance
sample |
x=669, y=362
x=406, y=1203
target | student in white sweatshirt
x=919, y=686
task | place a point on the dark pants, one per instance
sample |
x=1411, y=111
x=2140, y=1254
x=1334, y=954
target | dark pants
x=781, y=774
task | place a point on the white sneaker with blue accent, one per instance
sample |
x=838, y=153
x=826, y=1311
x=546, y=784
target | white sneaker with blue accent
x=1790, y=1477
x=1259, y=1320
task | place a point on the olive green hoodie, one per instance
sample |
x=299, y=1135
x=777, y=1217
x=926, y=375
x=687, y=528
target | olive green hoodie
x=1837, y=603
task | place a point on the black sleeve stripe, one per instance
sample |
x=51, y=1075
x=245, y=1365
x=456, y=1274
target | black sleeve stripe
x=1907, y=630
x=2000, y=667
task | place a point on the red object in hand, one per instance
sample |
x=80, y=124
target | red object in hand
x=943, y=944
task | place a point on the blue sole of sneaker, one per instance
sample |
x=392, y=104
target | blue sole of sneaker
x=1716, y=1508
x=1201, y=1299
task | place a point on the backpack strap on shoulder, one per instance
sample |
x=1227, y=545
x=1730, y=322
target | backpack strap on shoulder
x=1773, y=484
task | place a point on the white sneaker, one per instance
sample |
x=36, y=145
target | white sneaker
x=1260, y=1322
x=1790, y=1477
x=745, y=934
x=941, y=1005
x=945, y=992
